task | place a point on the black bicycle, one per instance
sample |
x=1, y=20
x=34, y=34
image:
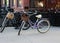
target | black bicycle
x=8, y=17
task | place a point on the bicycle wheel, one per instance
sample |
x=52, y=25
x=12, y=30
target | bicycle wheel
x=3, y=25
x=1, y=29
x=26, y=26
x=43, y=26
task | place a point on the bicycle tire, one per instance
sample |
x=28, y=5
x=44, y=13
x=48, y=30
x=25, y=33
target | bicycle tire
x=26, y=26
x=2, y=29
x=40, y=25
x=3, y=25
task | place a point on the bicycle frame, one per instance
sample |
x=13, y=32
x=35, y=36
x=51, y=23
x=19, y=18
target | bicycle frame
x=34, y=26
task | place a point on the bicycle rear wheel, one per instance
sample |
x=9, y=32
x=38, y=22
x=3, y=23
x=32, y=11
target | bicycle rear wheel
x=43, y=26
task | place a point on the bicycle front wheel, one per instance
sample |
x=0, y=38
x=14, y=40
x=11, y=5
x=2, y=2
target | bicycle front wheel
x=43, y=26
x=3, y=25
x=1, y=29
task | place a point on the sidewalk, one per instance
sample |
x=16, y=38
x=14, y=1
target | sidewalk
x=30, y=36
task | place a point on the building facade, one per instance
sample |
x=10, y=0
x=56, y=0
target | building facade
x=19, y=5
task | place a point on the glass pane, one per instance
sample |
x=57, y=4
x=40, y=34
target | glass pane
x=14, y=2
x=36, y=3
x=39, y=4
x=19, y=3
x=58, y=5
x=3, y=3
x=7, y=3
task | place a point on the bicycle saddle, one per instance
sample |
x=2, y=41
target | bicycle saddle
x=39, y=16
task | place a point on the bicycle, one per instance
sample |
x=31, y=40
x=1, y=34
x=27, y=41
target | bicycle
x=8, y=17
x=42, y=24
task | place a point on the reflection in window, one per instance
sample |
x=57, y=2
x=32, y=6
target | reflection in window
x=14, y=2
x=58, y=5
x=39, y=4
x=3, y=3
x=19, y=3
x=7, y=3
x=36, y=3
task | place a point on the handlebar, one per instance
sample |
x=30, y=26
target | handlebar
x=30, y=13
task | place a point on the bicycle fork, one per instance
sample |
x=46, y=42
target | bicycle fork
x=4, y=24
x=21, y=26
